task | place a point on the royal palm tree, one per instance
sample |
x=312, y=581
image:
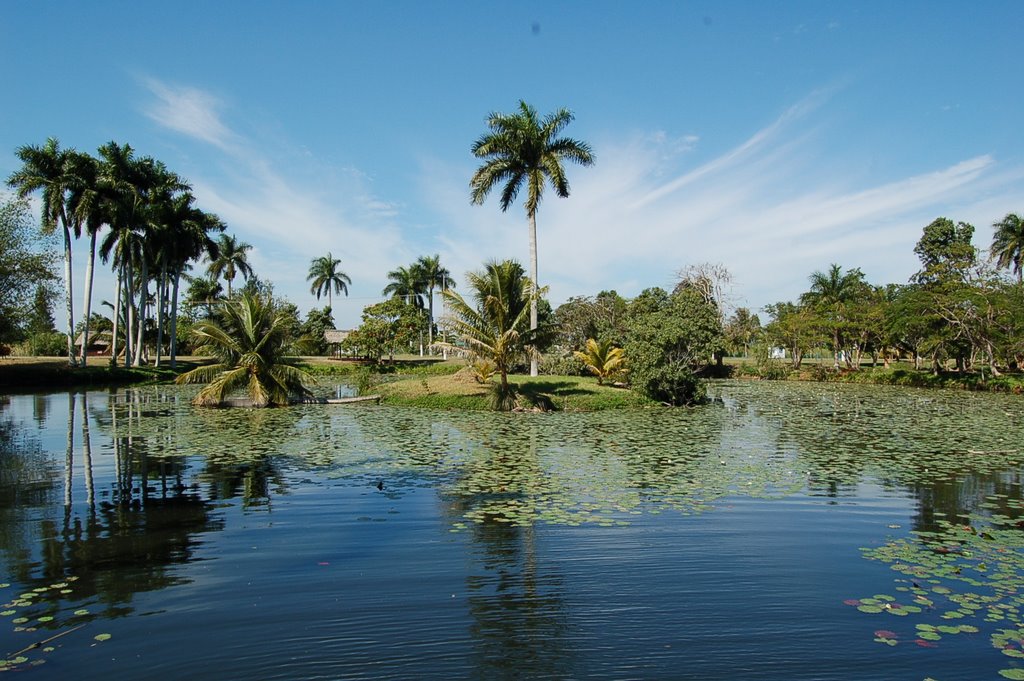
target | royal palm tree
x=51, y=170
x=522, y=148
x=232, y=259
x=1008, y=244
x=88, y=210
x=407, y=284
x=433, y=275
x=249, y=344
x=832, y=293
x=325, y=276
x=495, y=327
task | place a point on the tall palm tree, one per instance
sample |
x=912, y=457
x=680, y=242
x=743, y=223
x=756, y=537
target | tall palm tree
x=51, y=170
x=249, y=343
x=521, y=147
x=326, y=276
x=193, y=243
x=495, y=326
x=1008, y=244
x=204, y=291
x=832, y=293
x=88, y=209
x=434, y=275
x=232, y=259
x=407, y=284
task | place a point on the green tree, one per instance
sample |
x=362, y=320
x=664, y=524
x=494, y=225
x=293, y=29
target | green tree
x=231, y=260
x=317, y=322
x=249, y=342
x=522, y=148
x=832, y=295
x=494, y=325
x=385, y=327
x=203, y=292
x=50, y=170
x=26, y=272
x=1008, y=244
x=794, y=327
x=325, y=277
x=671, y=338
x=741, y=329
x=945, y=252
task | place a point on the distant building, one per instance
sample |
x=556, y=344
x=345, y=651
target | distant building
x=334, y=338
x=777, y=353
x=99, y=344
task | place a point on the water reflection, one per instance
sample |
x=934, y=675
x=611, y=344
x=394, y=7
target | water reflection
x=515, y=595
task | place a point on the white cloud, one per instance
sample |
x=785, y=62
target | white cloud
x=189, y=111
x=766, y=209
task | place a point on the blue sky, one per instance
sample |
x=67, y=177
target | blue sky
x=772, y=137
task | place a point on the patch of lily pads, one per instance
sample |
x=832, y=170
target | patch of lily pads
x=966, y=578
x=40, y=621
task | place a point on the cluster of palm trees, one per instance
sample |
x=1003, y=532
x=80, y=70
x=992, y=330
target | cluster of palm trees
x=142, y=216
x=415, y=285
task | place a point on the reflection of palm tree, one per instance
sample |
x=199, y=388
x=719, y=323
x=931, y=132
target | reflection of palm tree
x=515, y=598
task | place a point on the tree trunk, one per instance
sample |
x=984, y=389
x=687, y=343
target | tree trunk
x=161, y=297
x=117, y=315
x=536, y=286
x=129, y=314
x=72, y=359
x=141, y=321
x=430, y=327
x=174, y=320
x=87, y=302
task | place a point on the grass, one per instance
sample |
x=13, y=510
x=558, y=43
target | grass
x=461, y=391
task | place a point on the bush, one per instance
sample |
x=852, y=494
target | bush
x=562, y=365
x=46, y=344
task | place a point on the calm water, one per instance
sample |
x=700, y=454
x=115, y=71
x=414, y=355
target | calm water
x=784, y=532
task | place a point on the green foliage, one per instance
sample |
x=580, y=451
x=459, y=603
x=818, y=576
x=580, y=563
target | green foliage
x=387, y=327
x=325, y=277
x=494, y=328
x=562, y=364
x=602, y=317
x=945, y=251
x=317, y=322
x=249, y=342
x=1008, y=244
x=602, y=358
x=26, y=272
x=44, y=344
x=231, y=259
x=670, y=339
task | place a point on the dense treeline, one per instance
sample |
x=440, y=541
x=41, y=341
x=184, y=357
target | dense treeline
x=961, y=311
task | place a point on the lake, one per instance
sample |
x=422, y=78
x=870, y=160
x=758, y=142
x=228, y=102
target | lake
x=785, y=531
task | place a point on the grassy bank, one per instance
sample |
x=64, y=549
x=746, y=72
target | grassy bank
x=51, y=372
x=461, y=391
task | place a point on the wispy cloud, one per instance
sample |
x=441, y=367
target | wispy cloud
x=290, y=211
x=765, y=208
x=189, y=111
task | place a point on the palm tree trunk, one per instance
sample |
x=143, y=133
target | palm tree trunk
x=87, y=302
x=72, y=359
x=536, y=286
x=117, y=315
x=430, y=328
x=141, y=321
x=161, y=288
x=174, y=320
x=129, y=314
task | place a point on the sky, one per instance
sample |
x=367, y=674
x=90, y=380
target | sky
x=773, y=138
